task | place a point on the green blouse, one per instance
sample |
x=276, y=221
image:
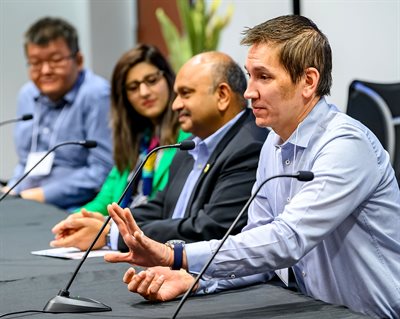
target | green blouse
x=116, y=181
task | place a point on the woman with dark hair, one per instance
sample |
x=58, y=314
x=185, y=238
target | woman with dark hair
x=141, y=119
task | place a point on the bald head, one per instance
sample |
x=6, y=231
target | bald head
x=219, y=67
x=207, y=59
x=210, y=88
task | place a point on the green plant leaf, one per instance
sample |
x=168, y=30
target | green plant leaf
x=202, y=28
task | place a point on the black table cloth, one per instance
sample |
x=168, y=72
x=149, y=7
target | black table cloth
x=27, y=282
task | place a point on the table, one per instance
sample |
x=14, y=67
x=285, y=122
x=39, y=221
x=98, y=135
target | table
x=27, y=282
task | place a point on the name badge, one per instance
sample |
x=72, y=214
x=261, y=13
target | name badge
x=283, y=274
x=44, y=168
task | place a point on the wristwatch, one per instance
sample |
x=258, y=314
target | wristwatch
x=177, y=246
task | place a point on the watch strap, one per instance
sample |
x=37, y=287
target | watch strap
x=178, y=256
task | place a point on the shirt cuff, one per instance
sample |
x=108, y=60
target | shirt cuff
x=197, y=254
x=114, y=234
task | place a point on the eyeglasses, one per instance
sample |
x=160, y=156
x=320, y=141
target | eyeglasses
x=150, y=80
x=54, y=62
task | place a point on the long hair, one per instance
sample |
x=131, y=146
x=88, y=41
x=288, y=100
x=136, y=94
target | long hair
x=128, y=125
x=301, y=44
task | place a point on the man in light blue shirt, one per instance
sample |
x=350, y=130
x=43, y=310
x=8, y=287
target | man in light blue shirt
x=339, y=232
x=69, y=103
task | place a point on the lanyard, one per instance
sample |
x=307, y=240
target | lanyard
x=56, y=126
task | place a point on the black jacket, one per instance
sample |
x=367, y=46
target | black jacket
x=217, y=197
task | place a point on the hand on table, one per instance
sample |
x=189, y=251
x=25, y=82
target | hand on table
x=79, y=230
x=158, y=283
x=36, y=194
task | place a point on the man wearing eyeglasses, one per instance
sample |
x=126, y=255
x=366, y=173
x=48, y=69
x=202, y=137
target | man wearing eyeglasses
x=68, y=103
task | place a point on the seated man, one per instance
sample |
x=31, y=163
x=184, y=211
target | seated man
x=207, y=186
x=339, y=232
x=69, y=103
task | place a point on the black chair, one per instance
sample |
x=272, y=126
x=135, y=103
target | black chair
x=377, y=105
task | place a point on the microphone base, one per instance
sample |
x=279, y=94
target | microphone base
x=64, y=304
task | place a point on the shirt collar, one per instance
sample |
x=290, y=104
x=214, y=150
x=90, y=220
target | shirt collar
x=305, y=130
x=211, y=142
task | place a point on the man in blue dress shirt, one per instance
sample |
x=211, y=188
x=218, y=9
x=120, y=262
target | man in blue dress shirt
x=69, y=103
x=339, y=232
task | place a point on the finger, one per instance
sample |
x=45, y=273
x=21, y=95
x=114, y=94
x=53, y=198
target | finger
x=117, y=257
x=136, y=281
x=62, y=234
x=63, y=242
x=130, y=221
x=128, y=275
x=140, y=240
x=86, y=213
x=58, y=227
x=75, y=223
x=146, y=282
x=115, y=212
x=155, y=287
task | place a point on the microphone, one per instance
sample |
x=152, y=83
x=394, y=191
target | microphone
x=63, y=302
x=25, y=117
x=302, y=176
x=84, y=143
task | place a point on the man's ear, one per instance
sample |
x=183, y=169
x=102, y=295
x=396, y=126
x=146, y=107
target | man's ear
x=224, y=96
x=311, y=80
x=79, y=60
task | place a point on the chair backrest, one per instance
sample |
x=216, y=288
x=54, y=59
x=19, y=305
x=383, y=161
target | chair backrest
x=377, y=105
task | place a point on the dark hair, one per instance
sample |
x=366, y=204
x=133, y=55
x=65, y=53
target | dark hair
x=49, y=29
x=128, y=125
x=301, y=45
x=230, y=72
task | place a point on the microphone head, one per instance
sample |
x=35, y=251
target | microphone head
x=26, y=117
x=187, y=145
x=88, y=143
x=305, y=176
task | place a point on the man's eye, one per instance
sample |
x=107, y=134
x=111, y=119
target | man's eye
x=183, y=95
x=56, y=59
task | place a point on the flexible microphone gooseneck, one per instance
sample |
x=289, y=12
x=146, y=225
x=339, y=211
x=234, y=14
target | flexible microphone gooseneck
x=25, y=117
x=63, y=302
x=302, y=176
x=87, y=144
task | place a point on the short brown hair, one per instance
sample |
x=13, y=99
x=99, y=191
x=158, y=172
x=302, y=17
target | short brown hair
x=301, y=45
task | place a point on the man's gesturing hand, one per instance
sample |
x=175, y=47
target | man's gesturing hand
x=158, y=283
x=143, y=251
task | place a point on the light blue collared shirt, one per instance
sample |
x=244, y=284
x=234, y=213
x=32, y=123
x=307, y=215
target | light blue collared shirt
x=201, y=153
x=83, y=114
x=339, y=232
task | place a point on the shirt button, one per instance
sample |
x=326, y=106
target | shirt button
x=287, y=162
x=46, y=130
x=232, y=276
x=303, y=273
x=288, y=199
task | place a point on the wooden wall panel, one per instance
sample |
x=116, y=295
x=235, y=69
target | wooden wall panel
x=149, y=30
